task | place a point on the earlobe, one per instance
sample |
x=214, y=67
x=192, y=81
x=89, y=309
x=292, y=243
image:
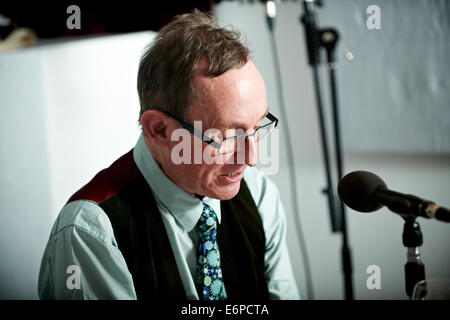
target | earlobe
x=154, y=124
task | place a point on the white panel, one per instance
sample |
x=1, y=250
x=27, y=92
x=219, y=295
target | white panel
x=67, y=110
x=395, y=93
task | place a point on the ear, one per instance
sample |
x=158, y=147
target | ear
x=156, y=126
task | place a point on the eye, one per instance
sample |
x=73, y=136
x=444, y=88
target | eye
x=257, y=126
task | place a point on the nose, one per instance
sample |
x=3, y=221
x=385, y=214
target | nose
x=251, y=151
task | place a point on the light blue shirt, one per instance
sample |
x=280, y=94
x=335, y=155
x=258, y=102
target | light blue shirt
x=83, y=261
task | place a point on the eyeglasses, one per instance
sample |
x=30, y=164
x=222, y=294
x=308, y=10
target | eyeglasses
x=230, y=144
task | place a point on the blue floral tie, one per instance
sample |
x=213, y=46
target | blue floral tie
x=209, y=273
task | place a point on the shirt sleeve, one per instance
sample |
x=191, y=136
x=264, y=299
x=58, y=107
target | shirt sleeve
x=281, y=281
x=82, y=260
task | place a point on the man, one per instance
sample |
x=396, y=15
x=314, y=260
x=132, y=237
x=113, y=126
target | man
x=196, y=222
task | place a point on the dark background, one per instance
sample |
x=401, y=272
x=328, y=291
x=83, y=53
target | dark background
x=48, y=19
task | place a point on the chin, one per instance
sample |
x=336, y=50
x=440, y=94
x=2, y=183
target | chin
x=227, y=193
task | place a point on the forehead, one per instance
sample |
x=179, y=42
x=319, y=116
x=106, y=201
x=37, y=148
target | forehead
x=238, y=95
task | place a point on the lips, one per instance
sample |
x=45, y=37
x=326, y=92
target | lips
x=233, y=177
x=233, y=173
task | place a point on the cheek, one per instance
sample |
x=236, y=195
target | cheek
x=198, y=174
x=207, y=176
x=212, y=157
x=209, y=172
x=199, y=164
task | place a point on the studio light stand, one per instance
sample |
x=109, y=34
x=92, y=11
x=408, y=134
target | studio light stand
x=327, y=39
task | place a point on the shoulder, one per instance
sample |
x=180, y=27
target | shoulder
x=266, y=197
x=110, y=181
x=83, y=210
x=270, y=208
x=261, y=187
x=84, y=215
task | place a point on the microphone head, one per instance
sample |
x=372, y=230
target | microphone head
x=357, y=190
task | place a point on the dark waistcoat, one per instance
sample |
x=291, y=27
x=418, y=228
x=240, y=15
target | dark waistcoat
x=125, y=196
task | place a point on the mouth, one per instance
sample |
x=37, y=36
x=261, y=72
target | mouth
x=232, y=177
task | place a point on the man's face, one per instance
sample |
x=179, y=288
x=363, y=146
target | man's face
x=234, y=100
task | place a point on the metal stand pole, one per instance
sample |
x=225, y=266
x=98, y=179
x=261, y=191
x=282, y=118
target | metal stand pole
x=327, y=39
x=414, y=268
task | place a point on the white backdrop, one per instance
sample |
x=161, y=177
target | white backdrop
x=68, y=110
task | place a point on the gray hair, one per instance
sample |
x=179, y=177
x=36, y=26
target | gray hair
x=168, y=67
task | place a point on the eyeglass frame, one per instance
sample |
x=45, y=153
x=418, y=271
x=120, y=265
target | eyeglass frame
x=209, y=140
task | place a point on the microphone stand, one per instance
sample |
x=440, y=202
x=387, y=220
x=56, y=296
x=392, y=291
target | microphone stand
x=414, y=268
x=327, y=38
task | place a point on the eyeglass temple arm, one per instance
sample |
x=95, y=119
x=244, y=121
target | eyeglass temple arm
x=192, y=130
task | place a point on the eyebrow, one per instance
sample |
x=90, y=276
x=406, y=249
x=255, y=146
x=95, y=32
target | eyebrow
x=241, y=125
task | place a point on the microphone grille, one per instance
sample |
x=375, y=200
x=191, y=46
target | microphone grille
x=357, y=188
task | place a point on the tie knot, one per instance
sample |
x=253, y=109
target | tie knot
x=208, y=221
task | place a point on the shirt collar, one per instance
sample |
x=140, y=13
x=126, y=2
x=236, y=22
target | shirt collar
x=185, y=208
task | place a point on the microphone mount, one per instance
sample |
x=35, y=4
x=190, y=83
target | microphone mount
x=364, y=191
x=414, y=267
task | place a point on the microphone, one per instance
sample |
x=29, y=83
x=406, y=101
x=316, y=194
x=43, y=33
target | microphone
x=364, y=191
